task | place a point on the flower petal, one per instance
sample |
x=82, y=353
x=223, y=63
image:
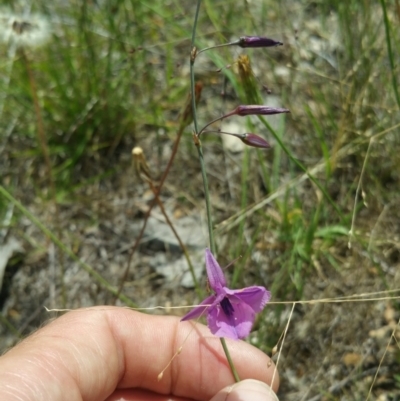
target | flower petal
x=200, y=310
x=256, y=297
x=215, y=274
x=235, y=326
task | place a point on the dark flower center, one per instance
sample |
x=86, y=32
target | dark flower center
x=227, y=307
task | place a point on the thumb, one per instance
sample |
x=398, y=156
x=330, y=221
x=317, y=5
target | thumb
x=252, y=390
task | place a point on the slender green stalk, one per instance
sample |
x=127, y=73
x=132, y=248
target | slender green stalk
x=192, y=60
x=100, y=279
x=390, y=53
x=218, y=46
x=228, y=357
x=196, y=128
x=203, y=170
x=207, y=198
x=215, y=120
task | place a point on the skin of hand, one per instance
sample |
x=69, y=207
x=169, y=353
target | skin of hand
x=115, y=354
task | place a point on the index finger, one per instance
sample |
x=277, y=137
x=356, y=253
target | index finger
x=92, y=352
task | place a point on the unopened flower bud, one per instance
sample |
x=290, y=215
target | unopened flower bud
x=247, y=110
x=255, y=141
x=258, y=41
x=254, y=109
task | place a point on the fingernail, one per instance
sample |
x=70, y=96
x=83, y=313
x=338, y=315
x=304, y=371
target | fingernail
x=246, y=390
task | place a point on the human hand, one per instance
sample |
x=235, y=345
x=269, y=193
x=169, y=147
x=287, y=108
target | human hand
x=115, y=354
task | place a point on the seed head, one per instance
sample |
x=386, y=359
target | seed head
x=142, y=169
x=23, y=31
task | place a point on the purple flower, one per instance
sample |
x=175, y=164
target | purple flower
x=258, y=41
x=255, y=109
x=230, y=313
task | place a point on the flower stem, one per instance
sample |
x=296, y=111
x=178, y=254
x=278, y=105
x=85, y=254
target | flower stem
x=196, y=129
x=207, y=197
x=215, y=120
x=228, y=357
x=218, y=46
x=203, y=169
x=192, y=60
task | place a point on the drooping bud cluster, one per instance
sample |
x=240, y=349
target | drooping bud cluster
x=250, y=88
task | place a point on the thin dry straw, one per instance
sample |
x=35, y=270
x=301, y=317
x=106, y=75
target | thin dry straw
x=383, y=357
x=283, y=341
x=365, y=297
